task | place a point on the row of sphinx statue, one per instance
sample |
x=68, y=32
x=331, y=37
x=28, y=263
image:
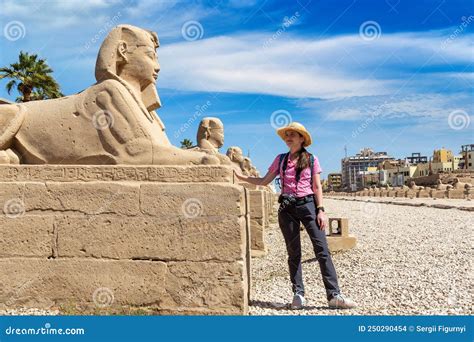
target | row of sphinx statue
x=114, y=121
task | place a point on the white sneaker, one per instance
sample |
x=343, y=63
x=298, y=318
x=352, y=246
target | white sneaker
x=298, y=302
x=341, y=302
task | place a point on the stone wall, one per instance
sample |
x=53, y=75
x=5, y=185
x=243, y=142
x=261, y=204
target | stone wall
x=260, y=209
x=258, y=222
x=171, y=239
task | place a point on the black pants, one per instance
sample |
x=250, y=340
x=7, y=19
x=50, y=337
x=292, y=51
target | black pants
x=289, y=218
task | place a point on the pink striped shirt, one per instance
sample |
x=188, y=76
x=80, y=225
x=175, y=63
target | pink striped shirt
x=304, y=184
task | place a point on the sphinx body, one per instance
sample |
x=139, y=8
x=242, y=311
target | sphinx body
x=441, y=186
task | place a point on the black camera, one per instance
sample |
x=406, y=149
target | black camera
x=287, y=199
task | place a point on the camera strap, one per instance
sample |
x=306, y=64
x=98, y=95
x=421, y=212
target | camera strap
x=283, y=164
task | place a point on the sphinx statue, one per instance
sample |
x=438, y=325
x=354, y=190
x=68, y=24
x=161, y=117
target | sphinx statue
x=240, y=163
x=234, y=153
x=415, y=187
x=460, y=185
x=254, y=172
x=441, y=186
x=210, y=137
x=111, y=122
x=246, y=166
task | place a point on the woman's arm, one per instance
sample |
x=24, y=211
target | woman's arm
x=258, y=180
x=318, y=189
x=318, y=193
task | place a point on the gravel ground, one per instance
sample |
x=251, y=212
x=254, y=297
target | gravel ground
x=408, y=261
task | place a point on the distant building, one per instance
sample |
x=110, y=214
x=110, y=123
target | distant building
x=417, y=158
x=443, y=161
x=367, y=178
x=396, y=172
x=433, y=168
x=442, y=156
x=467, y=157
x=353, y=166
x=334, y=181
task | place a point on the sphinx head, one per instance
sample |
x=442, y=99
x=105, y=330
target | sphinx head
x=128, y=54
x=246, y=164
x=254, y=171
x=235, y=154
x=212, y=130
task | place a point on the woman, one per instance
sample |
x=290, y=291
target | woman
x=301, y=186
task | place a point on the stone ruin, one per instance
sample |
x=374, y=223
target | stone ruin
x=174, y=239
x=338, y=236
x=101, y=210
x=456, y=190
x=261, y=201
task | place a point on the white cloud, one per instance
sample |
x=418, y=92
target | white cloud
x=432, y=107
x=140, y=8
x=289, y=66
x=49, y=8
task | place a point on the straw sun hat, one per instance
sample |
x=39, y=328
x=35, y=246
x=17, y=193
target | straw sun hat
x=296, y=126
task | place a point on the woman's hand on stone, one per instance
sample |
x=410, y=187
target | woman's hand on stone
x=239, y=176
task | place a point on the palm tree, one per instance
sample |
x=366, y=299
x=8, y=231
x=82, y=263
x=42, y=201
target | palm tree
x=31, y=77
x=186, y=143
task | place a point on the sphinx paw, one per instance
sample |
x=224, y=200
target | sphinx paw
x=9, y=157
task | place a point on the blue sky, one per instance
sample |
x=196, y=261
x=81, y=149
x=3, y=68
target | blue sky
x=393, y=75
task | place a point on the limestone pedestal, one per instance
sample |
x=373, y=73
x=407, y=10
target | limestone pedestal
x=337, y=243
x=401, y=193
x=338, y=236
x=423, y=193
x=258, y=222
x=457, y=193
x=171, y=239
x=439, y=193
x=411, y=193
